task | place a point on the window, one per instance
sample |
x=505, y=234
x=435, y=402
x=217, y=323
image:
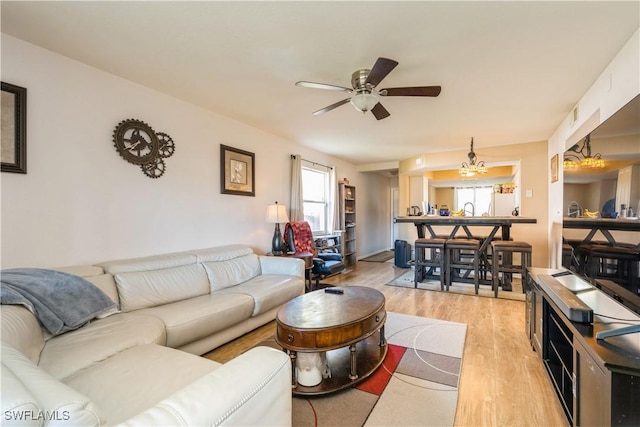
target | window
x=315, y=197
x=479, y=196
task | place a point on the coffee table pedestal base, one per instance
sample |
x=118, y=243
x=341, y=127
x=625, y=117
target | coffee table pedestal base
x=349, y=365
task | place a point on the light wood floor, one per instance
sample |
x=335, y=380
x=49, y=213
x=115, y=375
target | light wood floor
x=503, y=382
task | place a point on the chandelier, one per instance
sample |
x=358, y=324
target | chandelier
x=573, y=161
x=472, y=168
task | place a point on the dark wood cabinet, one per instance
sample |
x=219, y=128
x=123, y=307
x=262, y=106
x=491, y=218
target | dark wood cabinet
x=558, y=359
x=593, y=406
x=534, y=314
x=596, y=381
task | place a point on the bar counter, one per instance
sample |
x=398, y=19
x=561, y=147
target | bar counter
x=497, y=222
x=603, y=225
x=464, y=222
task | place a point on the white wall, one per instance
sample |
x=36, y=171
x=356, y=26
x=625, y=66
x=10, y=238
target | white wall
x=590, y=196
x=80, y=202
x=373, y=227
x=616, y=86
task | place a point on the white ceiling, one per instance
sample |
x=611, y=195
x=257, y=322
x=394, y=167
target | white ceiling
x=510, y=71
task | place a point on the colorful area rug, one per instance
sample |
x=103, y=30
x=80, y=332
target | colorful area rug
x=380, y=257
x=417, y=383
x=405, y=280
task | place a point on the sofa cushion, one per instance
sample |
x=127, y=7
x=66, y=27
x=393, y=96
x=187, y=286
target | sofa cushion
x=20, y=329
x=40, y=390
x=107, y=284
x=68, y=353
x=61, y=301
x=189, y=320
x=268, y=291
x=223, y=274
x=154, y=262
x=221, y=253
x=82, y=270
x=142, y=289
x=138, y=378
x=97, y=276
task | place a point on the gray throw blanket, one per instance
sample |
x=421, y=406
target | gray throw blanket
x=61, y=301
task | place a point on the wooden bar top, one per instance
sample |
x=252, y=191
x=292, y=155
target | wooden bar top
x=465, y=220
x=620, y=224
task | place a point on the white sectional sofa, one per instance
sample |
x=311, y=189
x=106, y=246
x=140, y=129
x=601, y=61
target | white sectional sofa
x=140, y=365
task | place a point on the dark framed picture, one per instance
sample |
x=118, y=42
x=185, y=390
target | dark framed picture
x=554, y=168
x=237, y=171
x=13, y=129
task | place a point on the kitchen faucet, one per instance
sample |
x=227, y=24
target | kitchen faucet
x=574, y=210
x=473, y=209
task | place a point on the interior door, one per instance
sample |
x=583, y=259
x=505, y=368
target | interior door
x=395, y=209
x=623, y=189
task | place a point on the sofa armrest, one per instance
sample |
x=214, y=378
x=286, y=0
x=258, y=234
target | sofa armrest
x=252, y=389
x=289, y=266
x=28, y=391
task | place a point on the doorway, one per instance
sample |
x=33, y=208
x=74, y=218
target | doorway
x=394, y=209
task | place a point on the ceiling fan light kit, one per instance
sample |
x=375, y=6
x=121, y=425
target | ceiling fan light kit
x=367, y=97
x=473, y=167
x=364, y=101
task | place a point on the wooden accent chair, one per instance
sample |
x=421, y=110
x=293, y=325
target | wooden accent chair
x=299, y=239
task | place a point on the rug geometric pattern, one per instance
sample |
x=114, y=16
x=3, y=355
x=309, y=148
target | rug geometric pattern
x=405, y=280
x=417, y=383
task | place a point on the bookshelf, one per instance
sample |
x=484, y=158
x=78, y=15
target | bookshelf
x=348, y=221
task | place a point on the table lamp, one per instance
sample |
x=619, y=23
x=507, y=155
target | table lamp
x=275, y=215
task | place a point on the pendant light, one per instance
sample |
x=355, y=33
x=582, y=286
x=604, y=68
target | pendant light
x=473, y=167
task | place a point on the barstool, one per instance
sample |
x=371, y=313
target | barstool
x=457, y=260
x=435, y=260
x=617, y=263
x=567, y=256
x=486, y=256
x=505, y=250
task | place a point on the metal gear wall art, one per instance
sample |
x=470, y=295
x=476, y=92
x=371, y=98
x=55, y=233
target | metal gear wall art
x=140, y=145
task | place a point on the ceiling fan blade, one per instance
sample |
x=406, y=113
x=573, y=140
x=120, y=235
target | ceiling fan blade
x=313, y=85
x=412, y=91
x=331, y=107
x=381, y=68
x=379, y=112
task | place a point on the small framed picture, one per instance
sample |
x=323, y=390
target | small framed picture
x=554, y=168
x=14, y=129
x=237, y=171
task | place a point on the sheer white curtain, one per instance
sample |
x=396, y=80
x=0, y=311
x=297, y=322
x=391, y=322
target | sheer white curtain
x=334, y=214
x=296, y=208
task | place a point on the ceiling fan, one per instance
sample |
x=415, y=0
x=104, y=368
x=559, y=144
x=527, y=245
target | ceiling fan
x=366, y=96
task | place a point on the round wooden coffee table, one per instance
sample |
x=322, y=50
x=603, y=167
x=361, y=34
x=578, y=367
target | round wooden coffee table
x=342, y=325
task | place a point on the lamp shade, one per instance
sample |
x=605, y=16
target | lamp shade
x=277, y=214
x=364, y=101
